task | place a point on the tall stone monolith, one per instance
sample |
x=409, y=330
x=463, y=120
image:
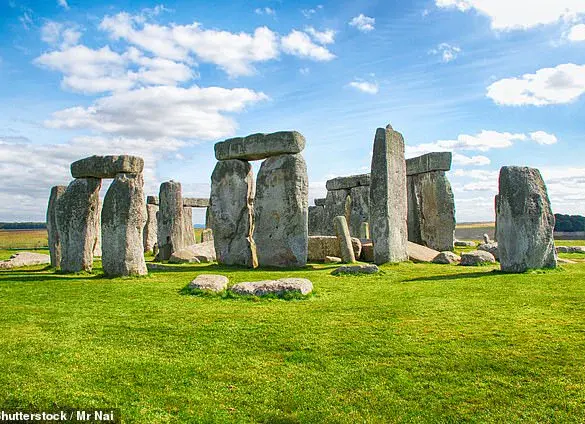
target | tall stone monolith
x=388, y=198
x=281, y=211
x=77, y=222
x=344, y=238
x=150, y=228
x=123, y=219
x=52, y=230
x=231, y=212
x=525, y=221
x=171, y=223
x=188, y=222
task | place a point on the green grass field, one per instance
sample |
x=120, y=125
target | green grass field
x=417, y=343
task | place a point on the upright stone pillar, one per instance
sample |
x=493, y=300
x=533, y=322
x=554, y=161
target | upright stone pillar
x=388, y=199
x=52, y=230
x=123, y=219
x=359, y=209
x=77, y=222
x=97, y=243
x=188, y=222
x=150, y=228
x=344, y=238
x=335, y=205
x=317, y=217
x=525, y=221
x=281, y=211
x=231, y=212
x=171, y=223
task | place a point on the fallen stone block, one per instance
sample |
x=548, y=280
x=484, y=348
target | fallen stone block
x=25, y=259
x=276, y=287
x=418, y=253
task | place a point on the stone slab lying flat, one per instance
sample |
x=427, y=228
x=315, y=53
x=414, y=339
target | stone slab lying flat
x=436, y=161
x=152, y=200
x=196, y=253
x=446, y=258
x=351, y=181
x=260, y=146
x=277, y=287
x=195, y=202
x=418, y=253
x=25, y=259
x=211, y=282
x=106, y=166
x=356, y=269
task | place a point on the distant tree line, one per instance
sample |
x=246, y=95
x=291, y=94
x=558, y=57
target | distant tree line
x=22, y=225
x=569, y=223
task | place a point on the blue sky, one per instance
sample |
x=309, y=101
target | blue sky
x=498, y=83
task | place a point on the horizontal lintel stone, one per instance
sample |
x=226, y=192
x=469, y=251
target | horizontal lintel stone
x=260, y=146
x=351, y=181
x=106, y=166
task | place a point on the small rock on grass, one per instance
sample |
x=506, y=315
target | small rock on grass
x=211, y=282
x=446, y=258
x=476, y=258
x=277, y=287
x=356, y=269
x=332, y=260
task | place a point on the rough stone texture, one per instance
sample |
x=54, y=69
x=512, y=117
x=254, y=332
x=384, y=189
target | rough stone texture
x=491, y=248
x=97, y=247
x=196, y=202
x=486, y=239
x=320, y=202
x=342, y=231
x=356, y=269
x=359, y=209
x=317, y=220
x=525, y=221
x=207, y=235
x=436, y=161
x=152, y=200
x=231, y=213
x=477, y=257
x=321, y=246
x=200, y=252
x=171, y=222
x=446, y=258
x=189, y=231
x=277, y=287
x=367, y=252
x=106, y=166
x=348, y=182
x=570, y=249
x=431, y=210
x=281, y=212
x=462, y=243
x=332, y=260
x=335, y=205
x=418, y=253
x=52, y=231
x=211, y=282
x=388, y=199
x=123, y=219
x=260, y=146
x=150, y=228
x=25, y=259
x=77, y=222
x=364, y=231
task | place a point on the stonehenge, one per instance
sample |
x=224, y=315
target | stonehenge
x=151, y=226
x=525, y=221
x=267, y=225
x=52, y=231
x=171, y=223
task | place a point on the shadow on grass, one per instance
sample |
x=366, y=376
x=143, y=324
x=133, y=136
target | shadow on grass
x=163, y=267
x=490, y=273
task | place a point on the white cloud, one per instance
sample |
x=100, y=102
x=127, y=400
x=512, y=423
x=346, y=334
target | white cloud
x=519, y=14
x=446, y=51
x=63, y=4
x=561, y=84
x=265, y=11
x=26, y=19
x=299, y=44
x=543, y=138
x=305, y=71
x=321, y=37
x=164, y=111
x=482, y=142
x=58, y=34
x=363, y=23
x=308, y=13
x=577, y=33
x=365, y=86
x=462, y=160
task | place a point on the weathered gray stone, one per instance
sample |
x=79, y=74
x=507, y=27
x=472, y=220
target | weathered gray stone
x=281, y=212
x=320, y=202
x=123, y=219
x=317, y=217
x=336, y=204
x=77, y=222
x=231, y=213
x=106, y=166
x=476, y=258
x=97, y=247
x=570, y=249
x=431, y=210
x=188, y=232
x=206, y=235
x=321, y=246
x=25, y=259
x=463, y=243
x=200, y=252
x=260, y=146
x=364, y=231
x=344, y=239
x=276, y=287
x=332, y=260
x=359, y=209
x=348, y=182
x=210, y=282
x=446, y=258
x=152, y=200
x=486, y=239
x=367, y=251
x=356, y=269
x=150, y=228
x=490, y=247
x=196, y=202
x=52, y=231
x=419, y=253
x=388, y=199
x=525, y=221
x=436, y=161
x=171, y=222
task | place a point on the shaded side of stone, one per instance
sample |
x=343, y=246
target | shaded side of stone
x=171, y=222
x=335, y=205
x=348, y=182
x=359, y=209
x=188, y=222
x=52, y=230
x=150, y=228
x=196, y=202
x=317, y=220
x=436, y=161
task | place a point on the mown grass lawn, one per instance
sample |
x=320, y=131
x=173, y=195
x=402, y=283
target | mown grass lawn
x=419, y=343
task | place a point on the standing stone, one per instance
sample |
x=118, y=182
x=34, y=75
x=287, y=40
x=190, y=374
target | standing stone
x=281, y=211
x=97, y=243
x=123, y=219
x=52, y=231
x=388, y=199
x=525, y=221
x=171, y=224
x=150, y=228
x=359, y=209
x=335, y=205
x=206, y=235
x=365, y=231
x=342, y=230
x=317, y=217
x=189, y=233
x=231, y=213
x=77, y=222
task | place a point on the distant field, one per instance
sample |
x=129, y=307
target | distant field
x=23, y=239
x=474, y=230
